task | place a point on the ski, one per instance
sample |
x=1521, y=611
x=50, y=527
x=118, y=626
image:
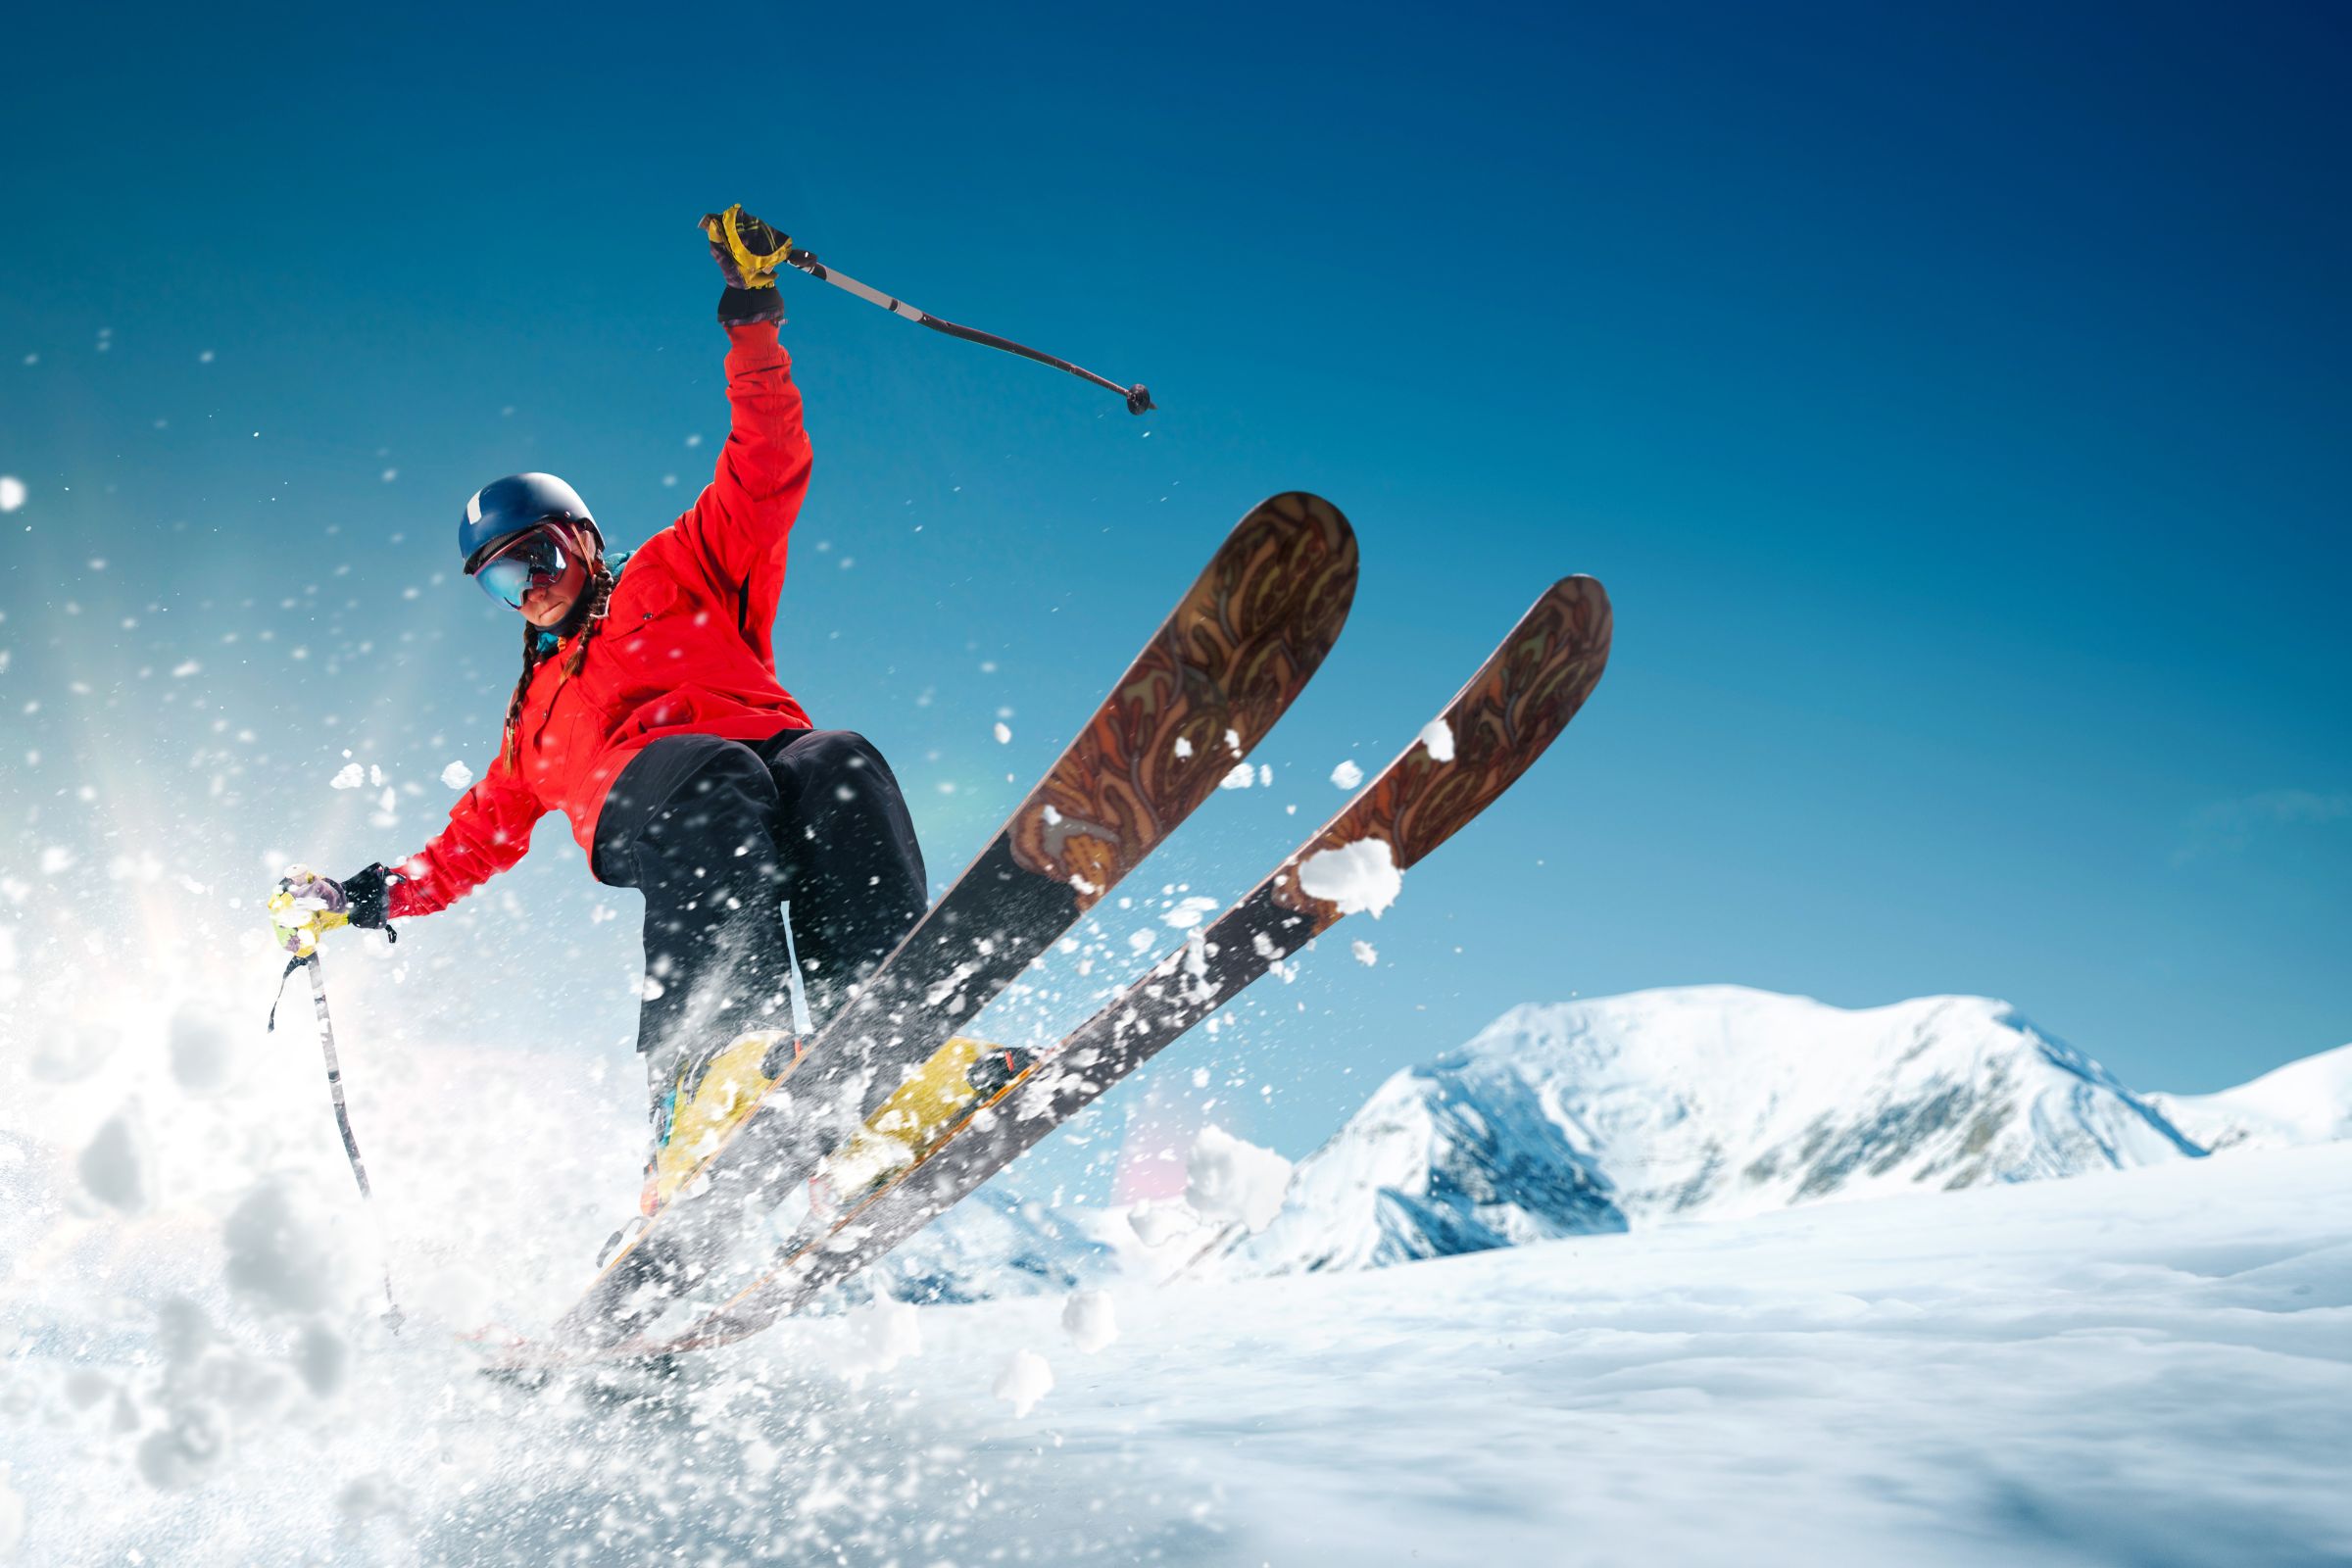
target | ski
x=1223, y=666
x=1520, y=700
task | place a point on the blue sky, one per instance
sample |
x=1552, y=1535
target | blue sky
x=1955, y=405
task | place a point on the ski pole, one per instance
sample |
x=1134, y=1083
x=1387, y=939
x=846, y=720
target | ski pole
x=1138, y=396
x=335, y=1084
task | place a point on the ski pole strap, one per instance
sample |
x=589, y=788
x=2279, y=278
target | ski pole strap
x=1138, y=396
x=292, y=965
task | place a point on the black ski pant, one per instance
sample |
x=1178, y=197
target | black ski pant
x=723, y=837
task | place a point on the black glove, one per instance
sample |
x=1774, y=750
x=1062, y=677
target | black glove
x=367, y=896
x=747, y=252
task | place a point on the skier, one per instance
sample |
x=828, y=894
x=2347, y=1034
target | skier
x=649, y=714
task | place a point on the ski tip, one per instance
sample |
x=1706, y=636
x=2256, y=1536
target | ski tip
x=1306, y=511
x=1585, y=597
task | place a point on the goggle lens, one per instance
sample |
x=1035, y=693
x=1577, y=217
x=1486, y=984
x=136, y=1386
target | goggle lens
x=534, y=559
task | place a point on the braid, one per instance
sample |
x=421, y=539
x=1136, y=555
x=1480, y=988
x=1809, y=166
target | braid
x=600, y=599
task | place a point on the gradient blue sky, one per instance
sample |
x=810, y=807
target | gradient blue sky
x=1954, y=401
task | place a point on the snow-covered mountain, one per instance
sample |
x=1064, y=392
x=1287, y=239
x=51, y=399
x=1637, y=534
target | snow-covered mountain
x=1705, y=1102
x=2307, y=1102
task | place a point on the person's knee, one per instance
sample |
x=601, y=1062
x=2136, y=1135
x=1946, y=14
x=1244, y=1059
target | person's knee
x=730, y=790
x=842, y=752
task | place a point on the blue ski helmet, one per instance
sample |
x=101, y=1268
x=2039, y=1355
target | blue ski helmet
x=505, y=507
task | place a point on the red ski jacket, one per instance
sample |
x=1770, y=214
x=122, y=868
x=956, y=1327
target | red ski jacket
x=684, y=648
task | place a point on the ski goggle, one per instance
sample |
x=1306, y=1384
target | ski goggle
x=533, y=558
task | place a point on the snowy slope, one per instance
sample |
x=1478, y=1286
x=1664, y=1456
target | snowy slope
x=1700, y=1103
x=2151, y=1366
x=2307, y=1102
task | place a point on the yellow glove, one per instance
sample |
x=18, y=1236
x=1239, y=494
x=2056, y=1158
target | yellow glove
x=748, y=250
x=305, y=907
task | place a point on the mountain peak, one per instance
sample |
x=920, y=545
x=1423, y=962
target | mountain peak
x=1700, y=1101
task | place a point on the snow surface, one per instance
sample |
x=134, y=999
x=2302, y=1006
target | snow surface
x=2138, y=1365
x=2151, y=1366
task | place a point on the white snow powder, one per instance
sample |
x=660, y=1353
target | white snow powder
x=1025, y=1380
x=114, y=1165
x=320, y=1357
x=1087, y=1317
x=1241, y=778
x=1003, y=733
x=1183, y=748
x=11, y=492
x=893, y=1333
x=457, y=775
x=280, y=1256
x=1158, y=1224
x=1365, y=953
x=1229, y=1180
x=1437, y=736
x=347, y=777
x=1187, y=913
x=202, y=1055
x=1359, y=877
x=11, y=1518
x=1348, y=775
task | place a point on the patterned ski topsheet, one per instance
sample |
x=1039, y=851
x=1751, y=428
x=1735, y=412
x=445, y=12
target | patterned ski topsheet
x=1222, y=667
x=1516, y=706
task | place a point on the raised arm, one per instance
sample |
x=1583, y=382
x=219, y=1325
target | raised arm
x=741, y=525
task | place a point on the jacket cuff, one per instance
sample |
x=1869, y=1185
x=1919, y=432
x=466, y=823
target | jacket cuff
x=739, y=307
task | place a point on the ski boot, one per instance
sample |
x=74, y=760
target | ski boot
x=960, y=1078
x=706, y=1101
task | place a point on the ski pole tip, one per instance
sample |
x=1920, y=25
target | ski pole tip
x=1138, y=399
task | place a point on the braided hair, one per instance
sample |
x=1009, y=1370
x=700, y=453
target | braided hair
x=538, y=646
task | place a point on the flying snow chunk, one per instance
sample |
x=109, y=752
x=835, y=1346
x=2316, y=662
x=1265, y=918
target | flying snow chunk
x=1087, y=1317
x=1241, y=778
x=1187, y=913
x=11, y=492
x=349, y=777
x=1365, y=953
x=1025, y=1380
x=113, y=1166
x=1359, y=877
x=280, y=1256
x=1348, y=775
x=203, y=1059
x=182, y=1455
x=1003, y=733
x=1229, y=1180
x=1437, y=736
x=1155, y=1224
x=320, y=1357
x=457, y=775
x=888, y=1333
